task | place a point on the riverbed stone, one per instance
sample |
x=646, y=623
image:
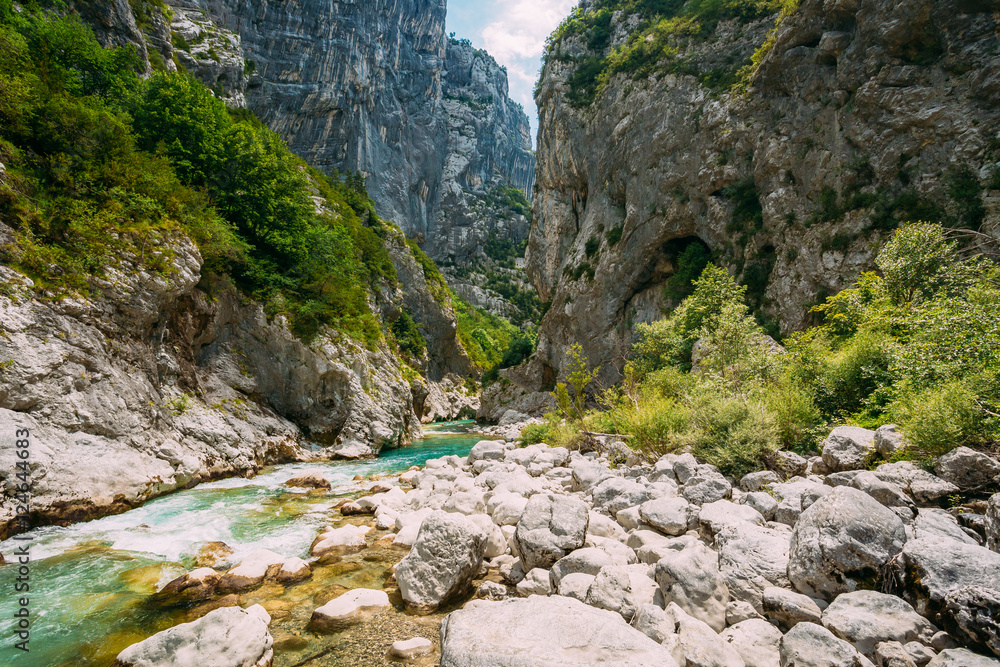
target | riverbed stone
x=752, y=558
x=759, y=481
x=538, y=631
x=887, y=493
x=587, y=560
x=698, y=645
x=922, y=485
x=888, y=440
x=972, y=614
x=293, y=571
x=444, y=559
x=993, y=523
x=691, y=579
x=506, y=508
x=706, y=486
x=536, y=582
x=672, y=516
x=575, y=585
x=487, y=450
x=932, y=568
x=866, y=618
x=348, y=609
x=550, y=527
x=968, y=469
x=228, y=637
x=762, y=502
x=841, y=543
x=789, y=463
x=604, y=526
x=713, y=517
x=250, y=572
x=848, y=448
x=932, y=522
x=617, y=493
x=811, y=645
x=756, y=641
x=788, y=608
x=738, y=611
x=335, y=540
x=961, y=657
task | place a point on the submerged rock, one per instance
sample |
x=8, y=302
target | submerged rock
x=347, y=609
x=195, y=586
x=408, y=649
x=310, y=479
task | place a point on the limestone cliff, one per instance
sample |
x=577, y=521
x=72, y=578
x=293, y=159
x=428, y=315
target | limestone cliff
x=861, y=115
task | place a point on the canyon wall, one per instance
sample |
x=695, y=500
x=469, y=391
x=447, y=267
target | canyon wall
x=862, y=115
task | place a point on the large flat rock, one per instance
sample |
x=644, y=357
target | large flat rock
x=549, y=631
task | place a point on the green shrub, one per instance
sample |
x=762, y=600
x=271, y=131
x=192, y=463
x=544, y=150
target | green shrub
x=408, y=336
x=669, y=341
x=794, y=413
x=485, y=337
x=532, y=434
x=735, y=435
x=614, y=235
x=937, y=419
x=658, y=425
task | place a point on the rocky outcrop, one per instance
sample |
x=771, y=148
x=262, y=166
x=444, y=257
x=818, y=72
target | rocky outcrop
x=149, y=384
x=861, y=115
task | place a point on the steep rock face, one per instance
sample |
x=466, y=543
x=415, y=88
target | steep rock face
x=865, y=113
x=377, y=88
x=488, y=149
x=150, y=384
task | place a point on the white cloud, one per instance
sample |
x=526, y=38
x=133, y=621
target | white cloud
x=521, y=26
x=516, y=38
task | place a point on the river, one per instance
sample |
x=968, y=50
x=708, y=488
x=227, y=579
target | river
x=90, y=582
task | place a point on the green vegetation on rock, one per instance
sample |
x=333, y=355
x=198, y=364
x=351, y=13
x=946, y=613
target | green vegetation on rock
x=660, y=42
x=916, y=344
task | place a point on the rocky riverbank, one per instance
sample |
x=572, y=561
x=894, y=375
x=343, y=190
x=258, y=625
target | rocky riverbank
x=151, y=383
x=544, y=556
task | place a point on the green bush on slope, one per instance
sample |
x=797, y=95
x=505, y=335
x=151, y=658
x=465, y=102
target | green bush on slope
x=104, y=167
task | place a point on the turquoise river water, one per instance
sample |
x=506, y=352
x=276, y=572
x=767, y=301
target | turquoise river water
x=90, y=582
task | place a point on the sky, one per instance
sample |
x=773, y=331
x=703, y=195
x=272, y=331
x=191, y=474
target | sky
x=513, y=32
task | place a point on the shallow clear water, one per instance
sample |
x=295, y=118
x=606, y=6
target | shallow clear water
x=89, y=581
